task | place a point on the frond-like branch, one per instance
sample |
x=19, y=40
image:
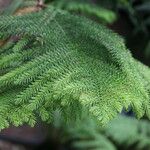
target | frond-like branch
x=66, y=62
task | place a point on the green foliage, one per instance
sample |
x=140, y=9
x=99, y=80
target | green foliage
x=129, y=133
x=135, y=17
x=54, y=60
x=87, y=135
x=123, y=133
x=87, y=8
x=138, y=13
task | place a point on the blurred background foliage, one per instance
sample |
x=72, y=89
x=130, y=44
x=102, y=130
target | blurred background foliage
x=122, y=133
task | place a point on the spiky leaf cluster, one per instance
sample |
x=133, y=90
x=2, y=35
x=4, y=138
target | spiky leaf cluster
x=54, y=60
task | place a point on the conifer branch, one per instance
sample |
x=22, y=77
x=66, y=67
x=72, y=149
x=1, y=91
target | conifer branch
x=70, y=63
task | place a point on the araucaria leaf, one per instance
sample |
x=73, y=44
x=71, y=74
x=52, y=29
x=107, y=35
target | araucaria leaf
x=55, y=60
